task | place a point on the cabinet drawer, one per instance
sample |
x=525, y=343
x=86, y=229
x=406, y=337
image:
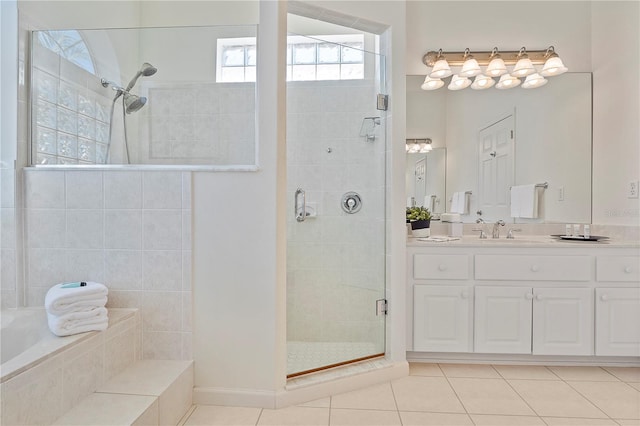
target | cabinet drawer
x=533, y=268
x=441, y=266
x=618, y=268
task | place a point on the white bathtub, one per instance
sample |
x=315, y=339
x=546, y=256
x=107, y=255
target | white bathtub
x=57, y=372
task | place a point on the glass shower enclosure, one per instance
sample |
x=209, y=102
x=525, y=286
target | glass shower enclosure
x=336, y=148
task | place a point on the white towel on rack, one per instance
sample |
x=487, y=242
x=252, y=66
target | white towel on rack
x=524, y=201
x=459, y=202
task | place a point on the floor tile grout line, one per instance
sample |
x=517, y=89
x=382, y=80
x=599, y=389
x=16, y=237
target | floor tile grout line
x=591, y=402
x=525, y=401
x=395, y=401
x=259, y=416
x=456, y=394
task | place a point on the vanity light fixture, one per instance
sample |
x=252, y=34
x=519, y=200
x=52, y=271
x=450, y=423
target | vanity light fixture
x=470, y=67
x=541, y=63
x=524, y=66
x=440, y=66
x=418, y=146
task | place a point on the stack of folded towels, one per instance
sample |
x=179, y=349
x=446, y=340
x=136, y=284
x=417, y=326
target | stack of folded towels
x=74, y=308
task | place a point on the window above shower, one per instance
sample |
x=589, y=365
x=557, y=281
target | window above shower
x=309, y=58
x=93, y=103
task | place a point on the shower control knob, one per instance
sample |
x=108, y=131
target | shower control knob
x=351, y=202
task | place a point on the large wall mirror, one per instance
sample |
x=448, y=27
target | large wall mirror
x=549, y=132
x=161, y=96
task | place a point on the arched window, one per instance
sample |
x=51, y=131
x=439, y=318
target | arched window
x=69, y=45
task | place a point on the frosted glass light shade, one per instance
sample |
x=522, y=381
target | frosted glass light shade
x=459, y=83
x=507, y=81
x=482, y=82
x=470, y=68
x=553, y=66
x=496, y=67
x=534, y=80
x=523, y=67
x=431, y=83
x=441, y=69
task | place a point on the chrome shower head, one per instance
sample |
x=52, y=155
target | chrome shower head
x=146, y=70
x=133, y=103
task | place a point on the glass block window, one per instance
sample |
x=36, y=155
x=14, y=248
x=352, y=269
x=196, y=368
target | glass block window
x=336, y=57
x=69, y=45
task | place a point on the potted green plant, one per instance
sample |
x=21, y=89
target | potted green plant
x=420, y=220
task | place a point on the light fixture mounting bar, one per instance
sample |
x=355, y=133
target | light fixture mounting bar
x=510, y=57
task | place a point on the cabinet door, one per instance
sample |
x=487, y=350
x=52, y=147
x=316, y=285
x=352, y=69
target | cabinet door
x=503, y=320
x=442, y=318
x=563, y=321
x=618, y=321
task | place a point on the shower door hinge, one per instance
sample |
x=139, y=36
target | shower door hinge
x=383, y=102
x=381, y=307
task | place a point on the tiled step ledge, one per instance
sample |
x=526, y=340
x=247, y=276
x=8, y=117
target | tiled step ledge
x=150, y=392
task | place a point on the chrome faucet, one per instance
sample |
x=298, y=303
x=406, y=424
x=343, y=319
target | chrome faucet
x=496, y=230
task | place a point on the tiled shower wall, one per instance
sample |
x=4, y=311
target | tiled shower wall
x=130, y=230
x=335, y=261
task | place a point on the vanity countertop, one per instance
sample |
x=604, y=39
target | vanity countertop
x=521, y=241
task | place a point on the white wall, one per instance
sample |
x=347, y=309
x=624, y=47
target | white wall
x=616, y=111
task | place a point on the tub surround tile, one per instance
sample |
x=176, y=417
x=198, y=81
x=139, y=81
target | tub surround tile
x=123, y=270
x=119, y=352
x=85, y=229
x=81, y=377
x=38, y=401
x=162, y=190
x=122, y=190
x=162, y=229
x=46, y=267
x=46, y=228
x=112, y=409
x=170, y=381
x=45, y=190
x=84, y=190
x=162, y=270
x=123, y=229
x=162, y=345
x=162, y=311
x=85, y=265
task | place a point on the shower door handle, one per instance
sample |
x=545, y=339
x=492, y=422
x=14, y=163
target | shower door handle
x=300, y=209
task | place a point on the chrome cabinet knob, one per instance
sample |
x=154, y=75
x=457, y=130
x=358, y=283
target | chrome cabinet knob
x=604, y=297
x=535, y=268
x=442, y=267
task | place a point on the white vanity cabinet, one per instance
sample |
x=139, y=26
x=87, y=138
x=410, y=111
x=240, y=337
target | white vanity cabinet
x=470, y=300
x=525, y=320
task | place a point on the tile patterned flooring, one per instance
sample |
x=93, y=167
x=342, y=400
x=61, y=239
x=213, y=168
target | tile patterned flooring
x=462, y=394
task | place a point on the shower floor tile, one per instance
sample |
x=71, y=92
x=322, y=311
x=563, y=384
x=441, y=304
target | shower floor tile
x=305, y=356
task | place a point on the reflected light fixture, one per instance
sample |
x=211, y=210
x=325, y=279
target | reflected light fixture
x=458, y=83
x=534, y=80
x=507, y=81
x=431, y=83
x=418, y=146
x=482, y=82
x=542, y=63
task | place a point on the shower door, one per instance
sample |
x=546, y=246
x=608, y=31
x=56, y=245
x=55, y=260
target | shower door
x=336, y=215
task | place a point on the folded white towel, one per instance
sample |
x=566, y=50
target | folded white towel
x=60, y=300
x=524, y=201
x=78, y=322
x=459, y=203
